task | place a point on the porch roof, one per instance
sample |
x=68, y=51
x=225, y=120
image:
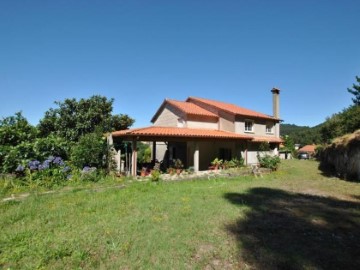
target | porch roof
x=157, y=132
x=175, y=133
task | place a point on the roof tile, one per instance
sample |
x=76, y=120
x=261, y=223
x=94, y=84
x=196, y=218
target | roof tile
x=191, y=108
x=230, y=108
x=158, y=131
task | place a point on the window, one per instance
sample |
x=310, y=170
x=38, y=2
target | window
x=269, y=128
x=225, y=154
x=249, y=125
x=181, y=122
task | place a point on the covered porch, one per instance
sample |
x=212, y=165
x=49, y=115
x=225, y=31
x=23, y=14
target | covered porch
x=196, y=148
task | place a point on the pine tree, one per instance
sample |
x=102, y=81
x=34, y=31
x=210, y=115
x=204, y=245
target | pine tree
x=356, y=92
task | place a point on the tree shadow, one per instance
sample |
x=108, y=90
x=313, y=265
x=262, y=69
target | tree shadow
x=284, y=230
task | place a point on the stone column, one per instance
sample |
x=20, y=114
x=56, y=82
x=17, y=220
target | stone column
x=196, y=157
x=134, y=159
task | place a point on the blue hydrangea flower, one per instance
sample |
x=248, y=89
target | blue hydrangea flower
x=58, y=161
x=19, y=168
x=46, y=164
x=34, y=164
x=66, y=169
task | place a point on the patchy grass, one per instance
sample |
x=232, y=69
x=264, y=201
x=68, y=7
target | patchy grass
x=295, y=218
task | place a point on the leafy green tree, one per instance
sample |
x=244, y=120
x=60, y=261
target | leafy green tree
x=341, y=123
x=120, y=122
x=51, y=146
x=356, y=92
x=144, y=153
x=73, y=119
x=91, y=150
x=16, y=129
x=15, y=136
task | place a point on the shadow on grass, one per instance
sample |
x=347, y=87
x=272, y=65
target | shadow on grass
x=285, y=230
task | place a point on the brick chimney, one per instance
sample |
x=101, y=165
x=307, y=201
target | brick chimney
x=276, y=102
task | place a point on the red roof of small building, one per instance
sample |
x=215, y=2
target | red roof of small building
x=231, y=108
x=308, y=148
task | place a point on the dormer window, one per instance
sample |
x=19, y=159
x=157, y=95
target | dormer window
x=269, y=128
x=249, y=126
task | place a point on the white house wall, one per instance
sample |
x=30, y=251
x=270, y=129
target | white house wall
x=259, y=128
x=198, y=124
x=226, y=121
x=168, y=117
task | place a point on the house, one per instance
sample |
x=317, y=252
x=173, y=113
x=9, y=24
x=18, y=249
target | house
x=198, y=130
x=309, y=149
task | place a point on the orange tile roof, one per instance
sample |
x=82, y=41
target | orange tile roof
x=267, y=139
x=230, y=108
x=308, y=148
x=190, y=108
x=186, y=107
x=156, y=131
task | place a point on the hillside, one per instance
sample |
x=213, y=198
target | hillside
x=302, y=134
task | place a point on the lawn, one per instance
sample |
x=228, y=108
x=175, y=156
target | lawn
x=295, y=218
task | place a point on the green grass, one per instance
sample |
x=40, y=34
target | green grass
x=295, y=218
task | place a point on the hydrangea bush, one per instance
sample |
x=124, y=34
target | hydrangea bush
x=50, y=172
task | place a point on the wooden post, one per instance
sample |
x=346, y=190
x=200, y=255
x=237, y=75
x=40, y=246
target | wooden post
x=154, y=151
x=134, y=159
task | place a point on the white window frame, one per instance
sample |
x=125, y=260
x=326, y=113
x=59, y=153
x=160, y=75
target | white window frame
x=181, y=123
x=271, y=130
x=252, y=125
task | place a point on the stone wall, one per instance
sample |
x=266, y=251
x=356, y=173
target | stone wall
x=342, y=157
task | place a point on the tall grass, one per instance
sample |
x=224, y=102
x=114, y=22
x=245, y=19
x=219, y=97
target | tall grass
x=165, y=225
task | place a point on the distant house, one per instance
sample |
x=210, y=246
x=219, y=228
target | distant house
x=310, y=149
x=198, y=130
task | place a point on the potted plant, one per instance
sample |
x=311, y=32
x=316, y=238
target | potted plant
x=143, y=172
x=171, y=170
x=178, y=165
x=216, y=163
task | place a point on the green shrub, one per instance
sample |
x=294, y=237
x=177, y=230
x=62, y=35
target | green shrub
x=267, y=161
x=91, y=151
x=155, y=175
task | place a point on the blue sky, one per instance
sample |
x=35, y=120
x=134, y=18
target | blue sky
x=141, y=52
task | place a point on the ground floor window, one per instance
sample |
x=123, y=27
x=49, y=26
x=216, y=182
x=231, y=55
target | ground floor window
x=225, y=154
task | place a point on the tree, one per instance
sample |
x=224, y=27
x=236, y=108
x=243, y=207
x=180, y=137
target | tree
x=356, y=92
x=73, y=119
x=341, y=123
x=16, y=129
x=91, y=150
x=121, y=121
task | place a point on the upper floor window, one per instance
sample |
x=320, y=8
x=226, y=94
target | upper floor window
x=181, y=122
x=249, y=126
x=269, y=128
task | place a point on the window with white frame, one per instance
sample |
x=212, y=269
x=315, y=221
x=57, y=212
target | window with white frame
x=269, y=127
x=181, y=122
x=249, y=126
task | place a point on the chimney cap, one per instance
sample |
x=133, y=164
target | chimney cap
x=275, y=90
